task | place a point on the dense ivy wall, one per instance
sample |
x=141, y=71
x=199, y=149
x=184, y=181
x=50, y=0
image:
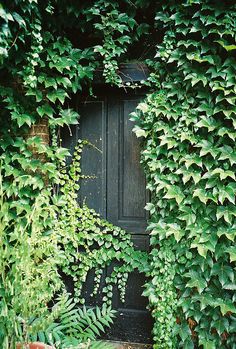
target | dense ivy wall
x=188, y=125
x=189, y=157
x=47, y=54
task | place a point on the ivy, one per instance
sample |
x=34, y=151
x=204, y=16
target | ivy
x=48, y=53
x=91, y=242
x=29, y=265
x=116, y=27
x=188, y=127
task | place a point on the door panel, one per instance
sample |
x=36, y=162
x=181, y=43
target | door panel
x=126, y=182
x=118, y=193
x=131, y=177
x=93, y=161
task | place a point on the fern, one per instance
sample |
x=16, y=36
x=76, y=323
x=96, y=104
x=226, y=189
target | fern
x=75, y=327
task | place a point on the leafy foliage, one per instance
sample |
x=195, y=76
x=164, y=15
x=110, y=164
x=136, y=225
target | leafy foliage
x=189, y=130
x=29, y=277
x=115, y=26
x=41, y=231
x=188, y=126
x=74, y=327
x=91, y=242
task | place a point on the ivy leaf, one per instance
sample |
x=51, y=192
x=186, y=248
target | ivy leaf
x=57, y=95
x=223, y=212
x=232, y=253
x=24, y=119
x=201, y=195
x=190, y=160
x=150, y=207
x=225, y=131
x=67, y=117
x=202, y=249
x=207, y=148
x=224, y=272
x=50, y=82
x=176, y=230
x=230, y=233
x=139, y=132
x=196, y=281
x=207, y=344
x=225, y=46
x=64, y=81
x=18, y=19
x=227, y=307
x=227, y=192
x=221, y=325
x=188, y=215
x=174, y=192
x=208, y=122
x=169, y=140
x=61, y=153
x=223, y=173
x=45, y=109
x=143, y=107
x=228, y=153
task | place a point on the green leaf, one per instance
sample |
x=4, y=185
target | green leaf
x=227, y=307
x=208, y=344
x=201, y=195
x=221, y=325
x=64, y=81
x=228, y=153
x=69, y=116
x=174, y=192
x=24, y=119
x=223, y=173
x=230, y=233
x=139, y=132
x=202, y=250
x=176, y=230
x=232, y=253
x=57, y=95
x=225, y=46
x=18, y=19
x=196, y=281
x=45, y=109
x=50, y=82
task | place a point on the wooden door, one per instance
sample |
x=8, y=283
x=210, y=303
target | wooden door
x=118, y=193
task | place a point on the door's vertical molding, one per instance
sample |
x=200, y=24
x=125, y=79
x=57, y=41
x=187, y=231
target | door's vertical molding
x=112, y=158
x=104, y=156
x=120, y=159
x=92, y=162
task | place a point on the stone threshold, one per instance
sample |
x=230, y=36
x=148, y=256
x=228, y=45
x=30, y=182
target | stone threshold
x=128, y=345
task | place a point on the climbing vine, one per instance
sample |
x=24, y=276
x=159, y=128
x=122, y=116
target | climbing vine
x=50, y=51
x=41, y=68
x=189, y=130
x=91, y=242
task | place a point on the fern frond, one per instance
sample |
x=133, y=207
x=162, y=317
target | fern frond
x=76, y=327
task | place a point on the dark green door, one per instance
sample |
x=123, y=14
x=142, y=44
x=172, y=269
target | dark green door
x=117, y=192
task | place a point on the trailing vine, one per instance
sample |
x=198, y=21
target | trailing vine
x=115, y=26
x=48, y=52
x=91, y=242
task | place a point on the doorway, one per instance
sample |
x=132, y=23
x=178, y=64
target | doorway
x=117, y=191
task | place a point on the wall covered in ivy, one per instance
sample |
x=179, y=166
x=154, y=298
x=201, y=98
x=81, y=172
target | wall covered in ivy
x=187, y=124
x=189, y=157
